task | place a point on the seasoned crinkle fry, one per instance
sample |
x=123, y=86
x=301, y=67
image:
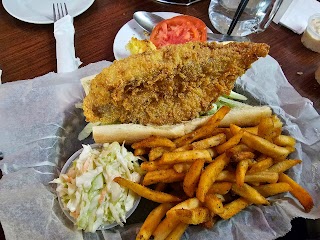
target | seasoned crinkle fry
x=216, y=172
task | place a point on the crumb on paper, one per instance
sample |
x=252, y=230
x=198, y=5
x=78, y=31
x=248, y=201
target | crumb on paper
x=299, y=73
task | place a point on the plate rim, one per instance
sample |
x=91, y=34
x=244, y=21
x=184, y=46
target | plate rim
x=6, y=3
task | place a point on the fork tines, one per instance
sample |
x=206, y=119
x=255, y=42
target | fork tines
x=58, y=11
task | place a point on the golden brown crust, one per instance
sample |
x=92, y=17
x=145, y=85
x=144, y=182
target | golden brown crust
x=170, y=85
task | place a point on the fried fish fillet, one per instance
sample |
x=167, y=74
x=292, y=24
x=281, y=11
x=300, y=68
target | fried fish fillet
x=170, y=85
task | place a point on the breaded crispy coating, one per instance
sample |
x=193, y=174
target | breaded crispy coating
x=170, y=85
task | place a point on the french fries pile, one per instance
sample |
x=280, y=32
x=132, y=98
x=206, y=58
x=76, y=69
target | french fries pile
x=213, y=173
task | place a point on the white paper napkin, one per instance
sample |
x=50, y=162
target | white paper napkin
x=296, y=16
x=65, y=52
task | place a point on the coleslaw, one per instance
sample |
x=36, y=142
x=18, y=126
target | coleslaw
x=87, y=191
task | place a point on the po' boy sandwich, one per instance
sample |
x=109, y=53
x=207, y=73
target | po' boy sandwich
x=169, y=91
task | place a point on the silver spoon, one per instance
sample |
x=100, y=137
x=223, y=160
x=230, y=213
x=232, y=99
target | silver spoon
x=148, y=21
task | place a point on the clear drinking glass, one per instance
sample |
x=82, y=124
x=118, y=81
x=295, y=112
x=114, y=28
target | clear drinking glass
x=179, y=2
x=256, y=17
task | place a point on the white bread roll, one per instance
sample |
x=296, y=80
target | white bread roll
x=129, y=133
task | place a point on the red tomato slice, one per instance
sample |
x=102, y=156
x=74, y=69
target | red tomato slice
x=179, y=29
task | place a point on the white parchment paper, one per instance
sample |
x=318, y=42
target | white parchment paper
x=39, y=125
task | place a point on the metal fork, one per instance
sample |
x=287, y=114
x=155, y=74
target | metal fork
x=59, y=13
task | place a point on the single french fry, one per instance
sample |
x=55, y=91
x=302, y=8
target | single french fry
x=140, y=151
x=209, y=175
x=152, y=221
x=277, y=125
x=154, y=165
x=181, y=167
x=159, y=197
x=193, y=216
x=266, y=129
x=264, y=146
x=261, y=166
x=178, y=231
x=209, y=142
x=261, y=177
x=165, y=176
x=233, y=141
x=154, y=141
x=190, y=203
x=204, y=130
x=234, y=207
x=282, y=166
x=157, y=152
x=271, y=189
x=165, y=227
x=298, y=191
x=249, y=193
x=213, y=203
x=241, y=170
x=192, y=177
x=185, y=156
x=284, y=141
x=220, y=187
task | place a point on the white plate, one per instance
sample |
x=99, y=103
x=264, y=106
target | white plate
x=132, y=29
x=129, y=30
x=40, y=11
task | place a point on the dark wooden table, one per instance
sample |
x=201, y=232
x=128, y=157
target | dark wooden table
x=28, y=50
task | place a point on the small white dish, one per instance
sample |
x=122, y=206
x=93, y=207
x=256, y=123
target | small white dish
x=67, y=213
x=40, y=11
x=132, y=29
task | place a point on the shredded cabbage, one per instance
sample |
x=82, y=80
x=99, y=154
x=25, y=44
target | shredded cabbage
x=88, y=192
